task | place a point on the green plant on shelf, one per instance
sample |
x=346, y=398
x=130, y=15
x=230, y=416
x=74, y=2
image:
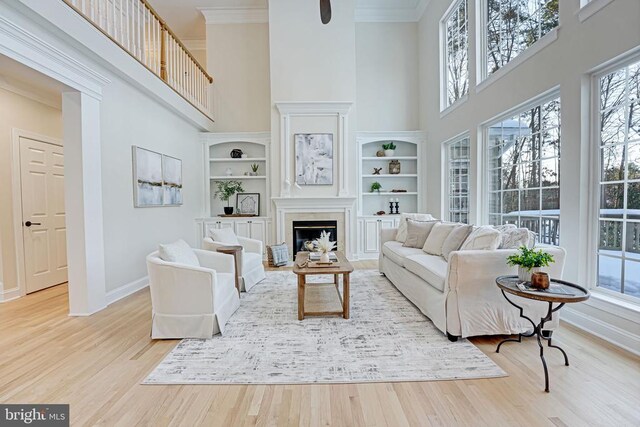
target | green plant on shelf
x=376, y=186
x=254, y=167
x=389, y=146
x=226, y=190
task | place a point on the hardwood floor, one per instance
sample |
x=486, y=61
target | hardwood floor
x=96, y=365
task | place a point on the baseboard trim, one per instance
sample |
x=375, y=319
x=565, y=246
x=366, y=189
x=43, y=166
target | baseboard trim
x=9, y=295
x=126, y=290
x=610, y=333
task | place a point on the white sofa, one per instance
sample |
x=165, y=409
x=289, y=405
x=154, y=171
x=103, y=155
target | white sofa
x=461, y=296
x=250, y=262
x=192, y=302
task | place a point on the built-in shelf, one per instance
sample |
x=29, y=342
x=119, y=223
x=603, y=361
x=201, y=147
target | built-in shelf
x=392, y=158
x=238, y=177
x=228, y=159
x=408, y=193
x=388, y=175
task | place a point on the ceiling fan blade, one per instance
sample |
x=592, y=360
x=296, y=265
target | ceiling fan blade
x=325, y=11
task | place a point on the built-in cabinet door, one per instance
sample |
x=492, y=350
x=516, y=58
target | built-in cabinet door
x=243, y=229
x=371, y=235
x=387, y=223
x=258, y=231
x=226, y=224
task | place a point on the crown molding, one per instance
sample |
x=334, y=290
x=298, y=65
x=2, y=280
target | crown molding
x=195, y=44
x=235, y=15
x=388, y=14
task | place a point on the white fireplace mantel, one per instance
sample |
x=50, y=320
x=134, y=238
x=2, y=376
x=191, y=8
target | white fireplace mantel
x=314, y=205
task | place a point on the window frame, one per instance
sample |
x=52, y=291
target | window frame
x=549, y=95
x=483, y=77
x=446, y=196
x=445, y=107
x=593, y=216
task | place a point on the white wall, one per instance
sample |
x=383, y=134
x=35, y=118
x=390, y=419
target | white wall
x=17, y=111
x=565, y=63
x=130, y=118
x=387, y=76
x=238, y=59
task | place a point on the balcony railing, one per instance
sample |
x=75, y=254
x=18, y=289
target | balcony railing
x=140, y=31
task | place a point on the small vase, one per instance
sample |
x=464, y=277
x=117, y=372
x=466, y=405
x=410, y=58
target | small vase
x=524, y=274
x=324, y=258
x=389, y=153
x=228, y=210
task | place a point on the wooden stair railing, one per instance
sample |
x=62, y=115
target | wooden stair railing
x=140, y=31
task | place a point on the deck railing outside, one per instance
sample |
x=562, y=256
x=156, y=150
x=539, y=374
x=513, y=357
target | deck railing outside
x=139, y=30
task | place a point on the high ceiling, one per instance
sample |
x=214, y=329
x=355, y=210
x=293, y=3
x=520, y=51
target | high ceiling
x=187, y=22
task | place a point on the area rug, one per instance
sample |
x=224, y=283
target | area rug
x=386, y=339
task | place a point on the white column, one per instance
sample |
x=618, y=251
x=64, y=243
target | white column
x=83, y=202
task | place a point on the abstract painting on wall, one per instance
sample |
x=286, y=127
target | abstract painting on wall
x=172, y=180
x=314, y=158
x=157, y=179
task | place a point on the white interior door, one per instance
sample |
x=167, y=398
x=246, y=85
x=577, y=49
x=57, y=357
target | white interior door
x=43, y=214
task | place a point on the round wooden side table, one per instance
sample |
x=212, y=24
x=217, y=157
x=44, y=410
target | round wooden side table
x=560, y=292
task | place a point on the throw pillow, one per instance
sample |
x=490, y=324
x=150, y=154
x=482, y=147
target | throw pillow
x=455, y=239
x=179, y=252
x=482, y=238
x=401, y=235
x=513, y=238
x=417, y=233
x=439, y=233
x=224, y=235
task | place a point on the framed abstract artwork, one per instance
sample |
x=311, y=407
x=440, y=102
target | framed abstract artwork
x=314, y=158
x=157, y=179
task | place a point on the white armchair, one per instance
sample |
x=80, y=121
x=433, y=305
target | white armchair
x=191, y=302
x=251, y=269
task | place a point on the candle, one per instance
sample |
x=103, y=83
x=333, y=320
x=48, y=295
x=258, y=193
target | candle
x=397, y=200
x=391, y=199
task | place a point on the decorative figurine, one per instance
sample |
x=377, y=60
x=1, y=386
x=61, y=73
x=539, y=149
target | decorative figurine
x=376, y=171
x=380, y=153
x=236, y=153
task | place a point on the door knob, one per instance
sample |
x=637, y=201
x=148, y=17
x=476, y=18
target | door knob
x=29, y=223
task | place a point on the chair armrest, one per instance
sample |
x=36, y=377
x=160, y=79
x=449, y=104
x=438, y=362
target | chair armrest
x=217, y=261
x=209, y=245
x=251, y=245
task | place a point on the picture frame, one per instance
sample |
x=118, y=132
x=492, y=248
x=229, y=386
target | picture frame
x=314, y=158
x=248, y=204
x=157, y=179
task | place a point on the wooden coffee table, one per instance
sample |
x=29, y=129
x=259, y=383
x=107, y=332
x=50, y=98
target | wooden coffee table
x=302, y=270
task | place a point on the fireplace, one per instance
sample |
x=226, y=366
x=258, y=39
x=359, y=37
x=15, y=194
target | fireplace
x=308, y=231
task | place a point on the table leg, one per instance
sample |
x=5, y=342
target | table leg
x=537, y=331
x=345, y=296
x=301, y=283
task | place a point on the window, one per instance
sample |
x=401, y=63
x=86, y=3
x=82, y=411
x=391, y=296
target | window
x=513, y=26
x=458, y=180
x=619, y=183
x=456, y=62
x=523, y=156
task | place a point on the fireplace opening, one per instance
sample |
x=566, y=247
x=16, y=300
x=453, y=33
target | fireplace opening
x=305, y=232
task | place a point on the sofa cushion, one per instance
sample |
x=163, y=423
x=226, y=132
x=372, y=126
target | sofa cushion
x=397, y=253
x=401, y=235
x=417, y=232
x=455, y=239
x=513, y=238
x=439, y=233
x=179, y=252
x=431, y=268
x=482, y=238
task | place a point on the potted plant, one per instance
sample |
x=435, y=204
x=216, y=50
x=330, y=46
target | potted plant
x=389, y=149
x=376, y=186
x=529, y=261
x=226, y=190
x=254, y=169
x=324, y=246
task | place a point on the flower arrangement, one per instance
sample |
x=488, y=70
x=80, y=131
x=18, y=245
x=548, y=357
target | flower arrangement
x=323, y=243
x=529, y=261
